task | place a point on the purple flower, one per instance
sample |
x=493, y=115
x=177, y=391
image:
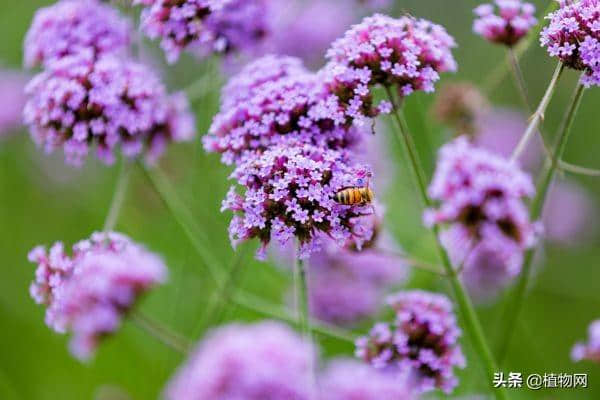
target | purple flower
x=89, y=292
x=499, y=130
x=488, y=266
x=78, y=103
x=265, y=361
x=206, y=26
x=289, y=192
x=272, y=101
x=569, y=213
x=12, y=86
x=347, y=379
x=346, y=284
x=514, y=19
x=72, y=27
x=422, y=343
x=573, y=36
x=482, y=193
x=590, y=350
x=460, y=105
x=306, y=30
x=406, y=53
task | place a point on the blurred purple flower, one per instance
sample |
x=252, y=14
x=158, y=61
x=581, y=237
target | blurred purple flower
x=205, y=26
x=272, y=101
x=590, y=350
x=482, y=193
x=573, y=36
x=514, y=19
x=289, y=193
x=72, y=27
x=352, y=380
x=500, y=129
x=265, y=361
x=568, y=213
x=306, y=29
x=89, y=292
x=12, y=101
x=347, y=284
x=406, y=53
x=422, y=343
x=78, y=103
x=374, y=4
x=488, y=266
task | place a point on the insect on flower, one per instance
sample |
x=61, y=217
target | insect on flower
x=355, y=195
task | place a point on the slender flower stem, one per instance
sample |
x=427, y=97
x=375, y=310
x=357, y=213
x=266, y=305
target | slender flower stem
x=519, y=79
x=118, y=197
x=539, y=113
x=302, y=303
x=414, y=262
x=198, y=238
x=161, y=332
x=512, y=310
x=471, y=321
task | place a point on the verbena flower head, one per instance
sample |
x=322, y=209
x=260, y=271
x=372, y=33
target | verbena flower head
x=289, y=193
x=90, y=291
x=75, y=27
x=12, y=101
x=460, y=105
x=590, y=350
x=488, y=266
x=306, y=29
x=570, y=216
x=267, y=360
x=406, y=53
x=347, y=284
x=205, y=26
x=499, y=131
x=573, y=36
x=482, y=193
x=422, y=342
x=79, y=103
x=505, y=21
x=274, y=100
x=347, y=379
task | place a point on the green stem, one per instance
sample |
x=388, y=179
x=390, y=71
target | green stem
x=198, y=239
x=118, y=197
x=160, y=332
x=302, y=304
x=519, y=79
x=512, y=310
x=471, y=321
x=539, y=113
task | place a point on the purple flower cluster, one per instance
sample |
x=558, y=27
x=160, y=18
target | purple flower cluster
x=481, y=194
x=422, y=343
x=406, y=53
x=290, y=193
x=514, y=19
x=75, y=27
x=12, y=100
x=90, y=291
x=590, y=350
x=272, y=101
x=205, y=26
x=347, y=379
x=78, y=103
x=573, y=36
x=265, y=361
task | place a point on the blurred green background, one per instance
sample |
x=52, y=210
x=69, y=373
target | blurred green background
x=42, y=201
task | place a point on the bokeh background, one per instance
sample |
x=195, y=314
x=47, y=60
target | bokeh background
x=41, y=201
